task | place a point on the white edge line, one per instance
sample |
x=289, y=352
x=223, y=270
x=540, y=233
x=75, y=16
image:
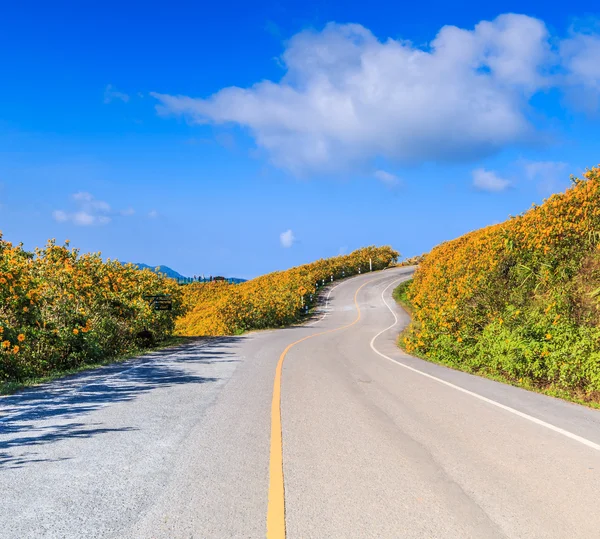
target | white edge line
x=326, y=305
x=535, y=420
x=327, y=299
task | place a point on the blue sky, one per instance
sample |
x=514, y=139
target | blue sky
x=241, y=138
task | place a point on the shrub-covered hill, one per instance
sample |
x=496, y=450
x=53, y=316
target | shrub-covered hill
x=520, y=299
x=166, y=270
x=272, y=300
x=60, y=310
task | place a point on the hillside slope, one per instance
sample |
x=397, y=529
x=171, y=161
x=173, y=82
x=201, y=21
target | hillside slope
x=166, y=270
x=519, y=299
x=272, y=300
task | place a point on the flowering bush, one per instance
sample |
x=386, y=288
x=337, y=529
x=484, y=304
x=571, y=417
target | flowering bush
x=60, y=309
x=273, y=300
x=519, y=298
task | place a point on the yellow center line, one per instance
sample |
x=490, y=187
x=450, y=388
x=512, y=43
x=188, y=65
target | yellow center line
x=276, y=505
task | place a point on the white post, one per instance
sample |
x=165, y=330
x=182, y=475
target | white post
x=332, y=278
x=370, y=264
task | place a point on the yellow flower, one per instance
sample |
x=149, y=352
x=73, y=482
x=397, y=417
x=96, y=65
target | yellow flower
x=1, y=329
x=548, y=336
x=21, y=337
x=15, y=350
x=25, y=309
x=75, y=331
x=6, y=344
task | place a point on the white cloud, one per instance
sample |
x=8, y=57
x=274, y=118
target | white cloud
x=83, y=218
x=547, y=174
x=347, y=97
x=89, y=211
x=111, y=93
x=87, y=201
x=388, y=178
x=487, y=180
x=82, y=196
x=60, y=216
x=153, y=214
x=128, y=212
x=287, y=239
x=580, y=56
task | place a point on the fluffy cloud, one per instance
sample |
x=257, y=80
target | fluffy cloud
x=287, y=239
x=111, y=93
x=486, y=180
x=88, y=211
x=347, y=96
x=547, y=174
x=388, y=178
x=580, y=56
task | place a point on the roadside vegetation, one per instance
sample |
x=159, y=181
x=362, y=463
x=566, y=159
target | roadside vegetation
x=61, y=311
x=273, y=300
x=520, y=300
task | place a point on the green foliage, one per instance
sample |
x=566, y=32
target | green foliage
x=60, y=310
x=401, y=294
x=521, y=299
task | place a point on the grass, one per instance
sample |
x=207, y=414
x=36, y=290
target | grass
x=400, y=294
x=8, y=388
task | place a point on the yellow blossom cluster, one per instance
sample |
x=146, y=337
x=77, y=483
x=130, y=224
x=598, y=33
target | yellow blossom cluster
x=521, y=297
x=272, y=300
x=60, y=309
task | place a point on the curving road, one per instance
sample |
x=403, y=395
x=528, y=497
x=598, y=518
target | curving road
x=354, y=439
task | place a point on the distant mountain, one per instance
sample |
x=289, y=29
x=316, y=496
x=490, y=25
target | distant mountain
x=162, y=269
x=169, y=272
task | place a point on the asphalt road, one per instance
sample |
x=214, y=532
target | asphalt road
x=180, y=443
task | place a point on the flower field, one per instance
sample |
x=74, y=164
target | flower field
x=272, y=300
x=60, y=310
x=520, y=299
